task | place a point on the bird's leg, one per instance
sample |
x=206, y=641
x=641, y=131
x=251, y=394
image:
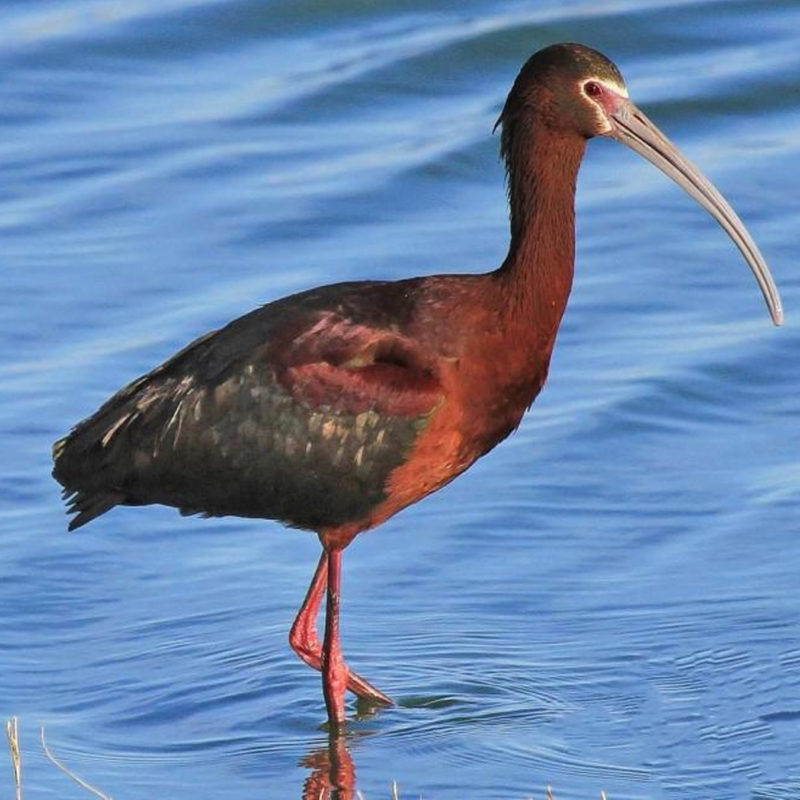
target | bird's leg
x=304, y=640
x=334, y=670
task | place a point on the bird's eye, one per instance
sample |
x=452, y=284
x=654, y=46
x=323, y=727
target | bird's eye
x=592, y=89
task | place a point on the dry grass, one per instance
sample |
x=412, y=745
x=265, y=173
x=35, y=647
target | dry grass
x=12, y=731
x=70, y=773
x=13, y=742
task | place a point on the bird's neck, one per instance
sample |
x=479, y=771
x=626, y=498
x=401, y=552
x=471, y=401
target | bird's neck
x=536, y=276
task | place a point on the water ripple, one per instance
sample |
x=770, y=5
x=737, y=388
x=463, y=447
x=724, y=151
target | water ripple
x=608, y=601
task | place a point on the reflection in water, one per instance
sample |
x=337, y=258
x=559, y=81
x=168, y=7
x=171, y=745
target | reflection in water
x=333, y=773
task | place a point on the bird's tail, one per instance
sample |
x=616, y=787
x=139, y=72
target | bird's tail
x=92, y=462
x=86, y=487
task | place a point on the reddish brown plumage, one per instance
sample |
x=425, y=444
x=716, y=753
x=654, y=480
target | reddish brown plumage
x=400, y=386
x=338, y=407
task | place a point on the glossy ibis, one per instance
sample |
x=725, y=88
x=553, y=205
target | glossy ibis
x=335, y=408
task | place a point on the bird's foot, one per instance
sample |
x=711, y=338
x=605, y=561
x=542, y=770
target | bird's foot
x=366, y=691
x=312, y=655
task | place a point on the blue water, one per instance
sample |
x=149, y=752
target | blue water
x=609, y=601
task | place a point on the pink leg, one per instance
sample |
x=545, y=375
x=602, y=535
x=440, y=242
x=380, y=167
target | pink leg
x=303, y=637
x=304, y=640
x=334, y=670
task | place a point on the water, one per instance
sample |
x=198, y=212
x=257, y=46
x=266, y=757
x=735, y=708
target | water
x=609, y=601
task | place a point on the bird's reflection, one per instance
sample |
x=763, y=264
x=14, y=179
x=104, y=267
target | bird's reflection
x=333, y=772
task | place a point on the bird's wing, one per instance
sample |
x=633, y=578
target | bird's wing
x=295, y=416
x=354, y=367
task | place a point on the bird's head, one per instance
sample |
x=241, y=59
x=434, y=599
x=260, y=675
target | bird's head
x=573, y=90
x=568, y=88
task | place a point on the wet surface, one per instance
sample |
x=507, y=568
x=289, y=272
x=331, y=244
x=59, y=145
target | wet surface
x=607, y=601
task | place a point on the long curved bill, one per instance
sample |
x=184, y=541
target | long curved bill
x=633, y=128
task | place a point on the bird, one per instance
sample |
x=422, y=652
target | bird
x=335, y=408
